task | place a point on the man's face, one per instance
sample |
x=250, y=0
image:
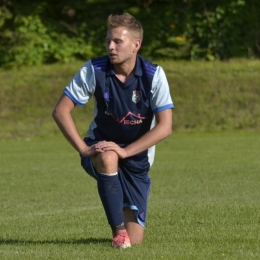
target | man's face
x=121, y=47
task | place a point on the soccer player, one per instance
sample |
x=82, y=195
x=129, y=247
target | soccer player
x=133, y=112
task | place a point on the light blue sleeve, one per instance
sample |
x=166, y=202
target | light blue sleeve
x=160, y=92
x=82, y=86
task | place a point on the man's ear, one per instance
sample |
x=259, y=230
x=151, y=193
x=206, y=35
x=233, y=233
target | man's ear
x=137, y=43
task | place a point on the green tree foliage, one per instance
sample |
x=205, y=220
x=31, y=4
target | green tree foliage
x=34, y=34
x=222, y=29
x=47, y=31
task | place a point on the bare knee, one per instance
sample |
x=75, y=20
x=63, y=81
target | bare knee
x=106, y=162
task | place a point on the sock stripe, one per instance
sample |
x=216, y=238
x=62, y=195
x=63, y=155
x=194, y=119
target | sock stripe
x=109, y=174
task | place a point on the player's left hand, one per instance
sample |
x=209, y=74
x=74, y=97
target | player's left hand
x=111, y=146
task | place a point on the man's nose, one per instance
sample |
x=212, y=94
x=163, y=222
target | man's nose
x=111, y=45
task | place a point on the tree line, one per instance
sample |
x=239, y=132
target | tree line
x=47, y=31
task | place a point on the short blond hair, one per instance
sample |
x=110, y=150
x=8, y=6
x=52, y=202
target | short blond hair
x=128, y=21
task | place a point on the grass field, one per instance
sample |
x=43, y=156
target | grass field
x=208, y=96
x=204, y=201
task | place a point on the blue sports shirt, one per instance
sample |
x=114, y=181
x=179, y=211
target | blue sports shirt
x=123, y=112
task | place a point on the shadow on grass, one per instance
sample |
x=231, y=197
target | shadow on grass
x=85, y=241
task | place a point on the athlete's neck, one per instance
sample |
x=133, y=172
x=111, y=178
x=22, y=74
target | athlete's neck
x=124, y=71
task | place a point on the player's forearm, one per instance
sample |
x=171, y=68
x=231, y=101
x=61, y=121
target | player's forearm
x=154, y=136
x=68, y=128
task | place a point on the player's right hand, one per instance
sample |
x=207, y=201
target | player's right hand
x=89, y=151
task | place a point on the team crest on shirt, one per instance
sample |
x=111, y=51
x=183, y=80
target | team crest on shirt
x=136, y=96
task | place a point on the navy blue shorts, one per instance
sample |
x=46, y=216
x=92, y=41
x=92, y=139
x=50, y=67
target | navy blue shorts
x=133, y=176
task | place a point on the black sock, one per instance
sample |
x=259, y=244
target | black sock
x=117, y=228
x=111, y=195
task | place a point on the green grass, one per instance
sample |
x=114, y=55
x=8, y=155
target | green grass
x=204, y=201
x=208, y=96
x=215, y=96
